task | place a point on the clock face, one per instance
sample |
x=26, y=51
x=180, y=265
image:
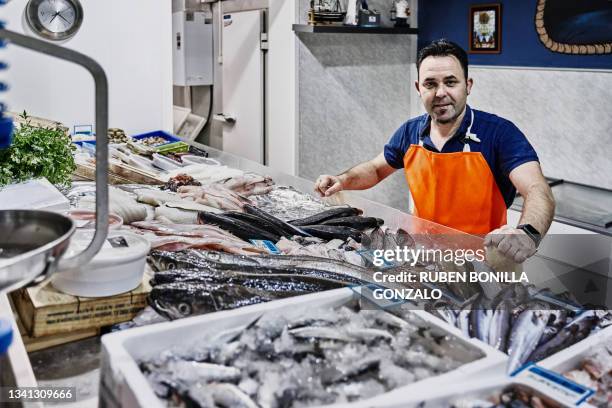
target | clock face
x=54, y=19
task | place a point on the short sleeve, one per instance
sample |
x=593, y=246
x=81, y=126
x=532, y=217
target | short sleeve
x=395, y=149
x=513, y=149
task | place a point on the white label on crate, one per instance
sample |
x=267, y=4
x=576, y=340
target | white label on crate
x=372, y=19
x=555, y=384
x=266, y=245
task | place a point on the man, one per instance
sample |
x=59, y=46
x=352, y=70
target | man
x=463, y=166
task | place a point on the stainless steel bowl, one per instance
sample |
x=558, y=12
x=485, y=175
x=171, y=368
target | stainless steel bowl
x=31, y=244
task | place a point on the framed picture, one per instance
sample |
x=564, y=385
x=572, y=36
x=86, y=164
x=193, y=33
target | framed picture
x=485, y=29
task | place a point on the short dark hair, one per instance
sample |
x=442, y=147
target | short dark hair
x=444, y=48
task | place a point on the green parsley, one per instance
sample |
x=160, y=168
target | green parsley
x=37, y=152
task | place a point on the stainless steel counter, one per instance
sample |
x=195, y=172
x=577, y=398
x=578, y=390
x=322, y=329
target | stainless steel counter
x=579, y=205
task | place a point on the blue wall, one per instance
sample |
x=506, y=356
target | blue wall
x=520, y=43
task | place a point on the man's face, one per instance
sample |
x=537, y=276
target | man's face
x=443, y=88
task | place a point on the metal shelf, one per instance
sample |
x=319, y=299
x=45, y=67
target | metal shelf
x=342, y=29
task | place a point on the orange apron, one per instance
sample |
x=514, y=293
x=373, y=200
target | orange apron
x=455, y=189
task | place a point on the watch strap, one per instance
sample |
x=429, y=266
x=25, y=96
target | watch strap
x=531, y=232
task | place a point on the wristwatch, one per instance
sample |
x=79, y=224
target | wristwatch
x=531, y=233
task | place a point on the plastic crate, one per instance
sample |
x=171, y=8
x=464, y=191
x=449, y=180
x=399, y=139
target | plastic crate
x=158, y=133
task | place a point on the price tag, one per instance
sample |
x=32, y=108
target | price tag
x=266, y=245
x=554, y=384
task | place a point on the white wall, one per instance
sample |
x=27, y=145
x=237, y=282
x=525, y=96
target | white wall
x=281, y=92
x=131, y=39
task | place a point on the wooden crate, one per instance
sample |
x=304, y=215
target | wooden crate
x=44, y=311
x=41, y=343
x=118, y=174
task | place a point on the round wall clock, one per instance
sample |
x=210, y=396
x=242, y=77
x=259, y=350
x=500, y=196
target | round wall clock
x=54, y=19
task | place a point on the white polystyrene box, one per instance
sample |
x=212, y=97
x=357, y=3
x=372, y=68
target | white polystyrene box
x=123, y=384
x=38, y=194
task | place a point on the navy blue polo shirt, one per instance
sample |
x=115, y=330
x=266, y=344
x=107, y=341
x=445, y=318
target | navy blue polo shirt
x=502, y=144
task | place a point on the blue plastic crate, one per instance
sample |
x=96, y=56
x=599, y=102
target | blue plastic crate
x=158, y=133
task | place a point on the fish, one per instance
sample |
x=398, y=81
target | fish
x=556, y=321
x=499, y=327
x=320, y=268
x=573, y=332
x=480, y=319
x=525, y=335
x=463, y=321
x=288, y=228
x=155, y=197
x=329, y=232
x=215, y=196
x=389, y=241
x=311, y=356
x=220, y=395
x=258, y=222
x=180, y=243
x=239, y=228
x=274, y=283
x=187, y=230
x=337, y=212
x=288, y=261
x=357, y=222
x=404, y=239
x=377, y=237
x=182, y=299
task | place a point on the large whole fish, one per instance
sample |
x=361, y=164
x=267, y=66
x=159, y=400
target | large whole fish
x=182, y=299
x=259, y=222
x=525, y=335
x=330, y=232
x=571, y=333
x=289, y=261
x=237, y=227
x=356, y=221
x=215, y=196
x=269, y=283
x=332, y=272
x=288, y=228
x=321, y=217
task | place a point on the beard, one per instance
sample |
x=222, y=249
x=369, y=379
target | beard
x=449, y=114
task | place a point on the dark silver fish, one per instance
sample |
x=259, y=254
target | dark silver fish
x=332, y=271
x=573, y=332
x=258, y=222
x=182, y=299
x=337, y=212
x=272, y=283
x=389, y=241
x=237, y=227
x=286, y=261
x=329, y=232
x=356, y=221
x=404, y=239
x=525, y=335
x=377, y=237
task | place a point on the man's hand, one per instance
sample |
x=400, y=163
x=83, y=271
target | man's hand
x=327, y=185
x=513, y=243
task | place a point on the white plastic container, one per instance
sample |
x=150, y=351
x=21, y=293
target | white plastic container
x=165, y=163
x=117, y=268
x=446, y=396
x=571, y=357
x=193, y=159
x=38, y=194
x=123, y=385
